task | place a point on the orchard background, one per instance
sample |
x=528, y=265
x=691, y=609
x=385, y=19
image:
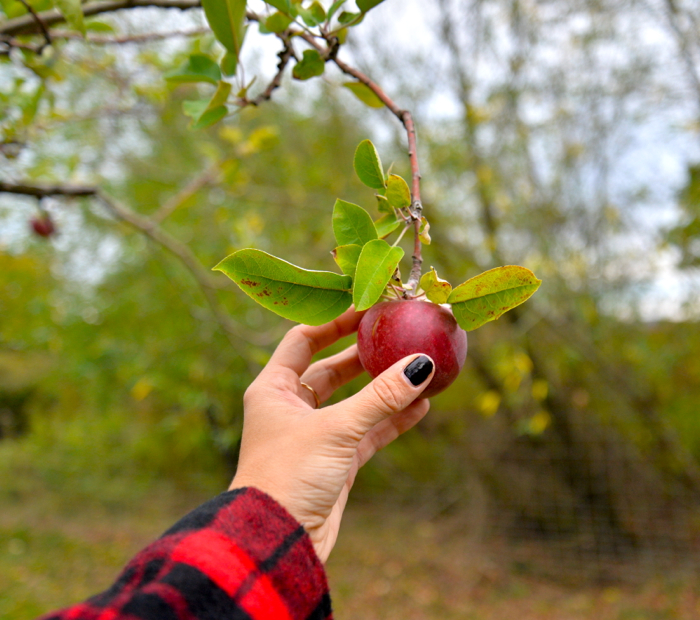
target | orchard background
x=558, y=478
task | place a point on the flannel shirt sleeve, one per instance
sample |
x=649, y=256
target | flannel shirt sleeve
x=240, y=556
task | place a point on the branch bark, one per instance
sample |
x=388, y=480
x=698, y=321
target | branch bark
x=44, y=190
x=26, y=24
x=135, y=38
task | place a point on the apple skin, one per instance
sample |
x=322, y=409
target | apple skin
x=391, y=330
x=43, y=226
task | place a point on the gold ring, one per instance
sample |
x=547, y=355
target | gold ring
x=316, y=398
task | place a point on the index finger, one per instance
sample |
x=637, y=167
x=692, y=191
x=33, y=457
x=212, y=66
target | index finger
x=302, y=342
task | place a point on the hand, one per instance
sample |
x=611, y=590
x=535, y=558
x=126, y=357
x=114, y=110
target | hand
x=307, y=458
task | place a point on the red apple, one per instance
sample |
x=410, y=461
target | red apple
x=392, y=330
x=43, y=226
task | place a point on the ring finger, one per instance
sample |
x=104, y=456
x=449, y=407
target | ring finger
x=328, y=374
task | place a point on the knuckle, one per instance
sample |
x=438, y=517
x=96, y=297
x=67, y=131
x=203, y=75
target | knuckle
x=300, y=334
x=334, y=378
x=389, y=393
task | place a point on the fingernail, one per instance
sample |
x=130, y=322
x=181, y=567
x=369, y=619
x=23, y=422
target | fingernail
x=419, y=369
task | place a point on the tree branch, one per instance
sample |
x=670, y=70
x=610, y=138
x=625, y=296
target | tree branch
x=186, y=192
x=135, y=38
x=38, y=21
x=407, y=121
x=285, y=55
x=148, y=227
x=186, y=257
x=330, y=53
x=26, y=24
x=42, y=191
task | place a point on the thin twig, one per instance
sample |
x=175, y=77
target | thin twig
x=207, y=282
x=330, y=53
x=186, y=256
x=416, y=204
x=185, y=193
x=285, y=55
x=134, y=38
x=26, y=24
x=9, y=42
x=39, y=22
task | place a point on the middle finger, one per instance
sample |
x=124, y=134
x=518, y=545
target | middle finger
x=328, y=374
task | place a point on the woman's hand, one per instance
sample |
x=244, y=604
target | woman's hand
x=307, y=458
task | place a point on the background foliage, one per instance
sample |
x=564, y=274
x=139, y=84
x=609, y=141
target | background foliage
x=561, y=136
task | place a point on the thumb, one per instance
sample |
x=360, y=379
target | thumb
x=392, y=391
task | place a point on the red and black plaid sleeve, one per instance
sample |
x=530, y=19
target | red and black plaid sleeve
x=240, y=556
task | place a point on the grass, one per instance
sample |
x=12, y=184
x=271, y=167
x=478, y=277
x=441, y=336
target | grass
x=61, y=542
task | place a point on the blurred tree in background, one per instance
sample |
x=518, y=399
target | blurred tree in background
x=562, y=136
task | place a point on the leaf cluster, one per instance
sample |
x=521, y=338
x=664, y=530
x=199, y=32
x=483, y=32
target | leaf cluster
x=292, y=19
x=370, y=265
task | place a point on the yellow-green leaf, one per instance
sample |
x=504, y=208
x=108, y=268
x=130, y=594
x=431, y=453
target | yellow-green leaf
x=436, y=289
x=424, y=231
x=487, y=296
x=364, y=93
x=397, y=192
x=309, y=297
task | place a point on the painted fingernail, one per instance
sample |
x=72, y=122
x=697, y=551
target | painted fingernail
x=419, y=369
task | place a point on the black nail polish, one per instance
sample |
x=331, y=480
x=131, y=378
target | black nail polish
x=419, y=369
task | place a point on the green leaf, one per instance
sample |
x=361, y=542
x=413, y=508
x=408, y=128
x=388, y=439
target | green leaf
x=346, y=256
x=387, y=224
x=436, y=289
x=346, y=18
x=364, y=93
x=352, y=224
x=366, y=5
x=97, y=26
x=334, y=8
x=368, y=166
x=205, y=113
x=278, y=22
x=227, y=19
x=487, y=296
x=198, y=68
x=281, y=5
x=229, y=64
x=311, y=65
x=377, y=263
x=310, y=297
x=314, y=15
x=397, y=192
x=72, y=10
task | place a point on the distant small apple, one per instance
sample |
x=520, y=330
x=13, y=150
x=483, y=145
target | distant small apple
x=392, y=330
x=43, y=225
